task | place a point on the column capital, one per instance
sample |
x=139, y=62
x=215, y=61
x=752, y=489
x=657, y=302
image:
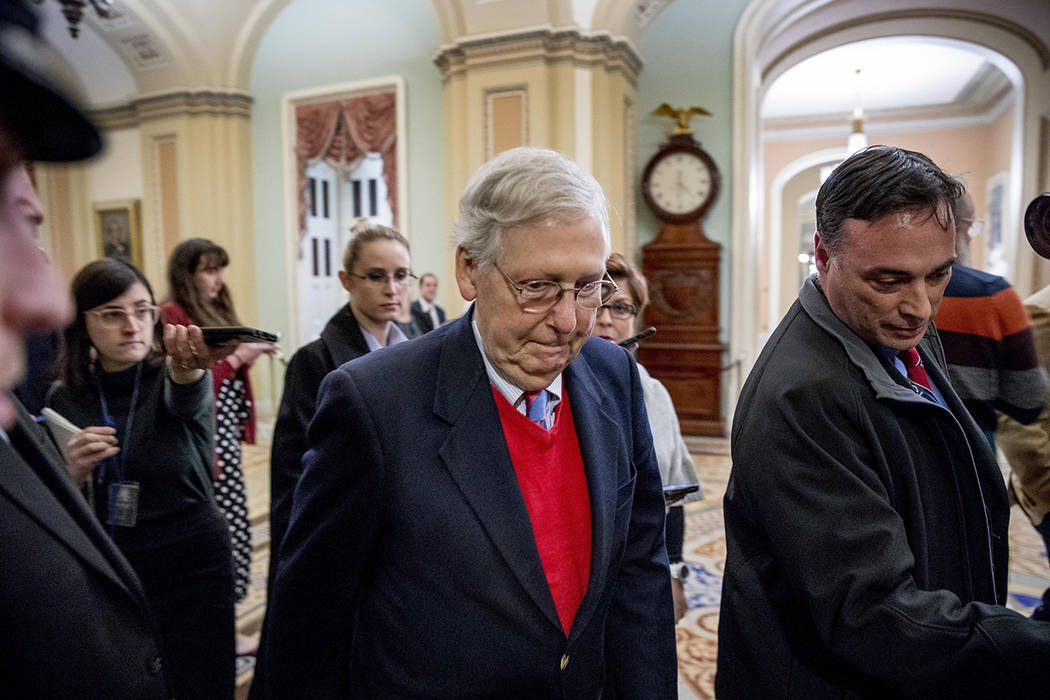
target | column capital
x=175, y=103
x=548, y=44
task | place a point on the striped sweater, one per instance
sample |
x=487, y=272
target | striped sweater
x=988, y=343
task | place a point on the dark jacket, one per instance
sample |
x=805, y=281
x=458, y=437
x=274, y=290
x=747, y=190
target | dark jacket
x=74, y=621
x=42, y=350
x=409, y=568
x=340, y=341
x=169, y=452
x=422, y=318
x=866, y=532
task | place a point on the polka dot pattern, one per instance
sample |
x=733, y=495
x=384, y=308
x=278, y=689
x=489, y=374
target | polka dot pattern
x=231, y=410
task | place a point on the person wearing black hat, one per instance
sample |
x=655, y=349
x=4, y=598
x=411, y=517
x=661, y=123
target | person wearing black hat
x=75, y=619
x=1027, y=447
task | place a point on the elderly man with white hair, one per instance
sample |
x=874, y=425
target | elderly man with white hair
x=480, y=513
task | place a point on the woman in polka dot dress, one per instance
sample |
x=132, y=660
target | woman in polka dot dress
x=198, y=294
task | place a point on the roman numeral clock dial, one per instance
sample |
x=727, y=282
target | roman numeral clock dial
x=680, y=182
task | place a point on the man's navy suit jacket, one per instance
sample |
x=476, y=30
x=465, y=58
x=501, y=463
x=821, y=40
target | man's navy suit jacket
x=423, y=320
x=410, y=568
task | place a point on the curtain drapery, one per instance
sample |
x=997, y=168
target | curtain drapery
x=340, y=133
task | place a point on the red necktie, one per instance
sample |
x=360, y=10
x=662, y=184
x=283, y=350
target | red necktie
x=916, y=372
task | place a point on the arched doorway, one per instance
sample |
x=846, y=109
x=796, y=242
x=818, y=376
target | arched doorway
x=946, y=98
x=771, y=38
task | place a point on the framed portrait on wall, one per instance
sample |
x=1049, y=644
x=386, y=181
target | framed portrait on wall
x=995, y=199
x=118, y=230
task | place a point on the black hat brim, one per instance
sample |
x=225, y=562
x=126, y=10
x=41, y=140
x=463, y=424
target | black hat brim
x=37, y=110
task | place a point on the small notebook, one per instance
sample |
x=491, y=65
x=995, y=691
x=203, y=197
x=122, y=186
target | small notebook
x=62, y=429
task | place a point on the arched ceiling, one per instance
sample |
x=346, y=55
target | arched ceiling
x=153, y=46
x=945, y=72
x=900, y=78
x=99, y=74
x=792, y=24
x=799, y=22
x=471, y=18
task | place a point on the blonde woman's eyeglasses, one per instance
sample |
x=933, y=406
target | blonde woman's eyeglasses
x=380, y=278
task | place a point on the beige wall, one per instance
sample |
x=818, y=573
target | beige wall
x=611, y=129
x=69, y=193
x=67, y=233
x=576, y=102
x=977, y=151
x=197, y=175
x=117, y=173
x=192, y=174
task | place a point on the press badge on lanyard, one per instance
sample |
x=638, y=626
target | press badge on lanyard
x=123, y=495
x=123, y=503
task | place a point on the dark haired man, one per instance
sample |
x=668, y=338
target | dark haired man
x=866, y=519
x=75, y=620
x=427, y=314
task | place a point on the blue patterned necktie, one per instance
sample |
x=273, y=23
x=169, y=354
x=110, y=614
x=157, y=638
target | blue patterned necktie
x=536, y=406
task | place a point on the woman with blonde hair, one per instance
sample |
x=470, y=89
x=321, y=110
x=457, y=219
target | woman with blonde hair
x=377, y=274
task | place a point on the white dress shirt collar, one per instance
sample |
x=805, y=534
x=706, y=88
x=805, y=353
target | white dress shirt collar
x=393, y=337
x=515, y=395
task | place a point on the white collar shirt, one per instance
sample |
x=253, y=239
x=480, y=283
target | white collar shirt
x=516, y=396
x=393, y=337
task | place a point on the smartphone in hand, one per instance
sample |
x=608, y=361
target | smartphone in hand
x=217, y=335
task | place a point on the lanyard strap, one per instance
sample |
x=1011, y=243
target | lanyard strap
x=122, y=457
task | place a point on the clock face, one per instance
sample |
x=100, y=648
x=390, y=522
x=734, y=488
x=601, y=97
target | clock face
x=680, y=182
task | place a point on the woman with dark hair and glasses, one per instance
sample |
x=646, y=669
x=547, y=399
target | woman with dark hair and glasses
x=143, y=397
x=198, y=294
x=377, y=274
x=617, y=320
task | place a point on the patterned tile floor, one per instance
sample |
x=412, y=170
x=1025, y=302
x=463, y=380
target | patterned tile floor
x=704, y=552
x=250, y=610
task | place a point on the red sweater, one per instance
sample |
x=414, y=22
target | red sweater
x=550, y=472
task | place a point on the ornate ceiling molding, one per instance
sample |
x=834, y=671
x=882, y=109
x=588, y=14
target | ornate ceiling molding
x=1023, y=33
x=546, y=44
x=121, y=116
x=176, y=103
x=645, y=11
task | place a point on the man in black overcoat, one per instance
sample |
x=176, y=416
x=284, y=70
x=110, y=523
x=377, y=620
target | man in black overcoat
x=74, y=616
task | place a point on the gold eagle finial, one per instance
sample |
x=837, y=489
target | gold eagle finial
x=682, y=116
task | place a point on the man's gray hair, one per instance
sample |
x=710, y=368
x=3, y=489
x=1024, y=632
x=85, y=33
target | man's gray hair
x=524, y=186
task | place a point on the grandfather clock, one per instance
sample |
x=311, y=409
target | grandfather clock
x=679, y=184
